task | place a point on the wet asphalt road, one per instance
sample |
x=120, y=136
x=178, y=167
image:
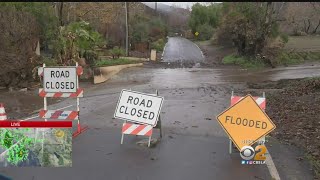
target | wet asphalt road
x=194, y=146
x=182, y=50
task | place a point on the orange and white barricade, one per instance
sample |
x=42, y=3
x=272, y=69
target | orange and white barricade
x=58, y=114
x=3, y=115
x=140, y=129
x=137, y=129
x=261, y=101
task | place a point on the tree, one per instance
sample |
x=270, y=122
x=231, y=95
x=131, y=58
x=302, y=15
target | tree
x=144, y=29
x=250, y=25
x=17, y=47
x=204, y=16
x=75, y=40
x=43, y=12
x=303, y=17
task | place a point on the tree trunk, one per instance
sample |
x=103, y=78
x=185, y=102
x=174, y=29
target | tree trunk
x=60, y=14
x=56, y=8
x=315, y=30
x=305, y=26
x=68, y=15
x=309, y=24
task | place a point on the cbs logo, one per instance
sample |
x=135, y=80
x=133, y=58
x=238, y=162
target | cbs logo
x=258, y=154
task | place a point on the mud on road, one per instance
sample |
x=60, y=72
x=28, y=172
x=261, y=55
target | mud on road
x=21, y=104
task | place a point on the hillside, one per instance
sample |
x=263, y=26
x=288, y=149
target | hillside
x=176, y=18
x=107, y=17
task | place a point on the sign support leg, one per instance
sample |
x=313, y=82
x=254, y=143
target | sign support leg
x=78, y=104
x=159, y=123
x=44, y=99
x=160, y=126
x=122, y=138
x=122, y=135
x=149, y=141
x=84, y=128
x=230, y=142
x=263, y=139
x=230, y=146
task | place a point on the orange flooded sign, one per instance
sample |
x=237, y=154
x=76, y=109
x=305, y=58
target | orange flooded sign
x=245, y=122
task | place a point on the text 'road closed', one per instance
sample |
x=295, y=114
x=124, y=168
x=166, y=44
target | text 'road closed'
x=60, y=80
x=138, y=107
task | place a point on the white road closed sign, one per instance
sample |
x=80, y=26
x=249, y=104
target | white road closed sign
x=138, y=107
x=60, y=79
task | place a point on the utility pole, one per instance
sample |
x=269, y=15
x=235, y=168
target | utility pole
x=127, y=33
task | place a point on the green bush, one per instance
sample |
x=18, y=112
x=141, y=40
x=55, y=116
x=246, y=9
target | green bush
x=144, y=29
x=202, y=14
x=284, y=37
x=91, y=57
x=75, y=40
x=140, y=32
x=49, y=61
x=287, y=58
x=116, y=52
x=45, y=16
x=243, y=61
x=158, y=45
x=205, y=32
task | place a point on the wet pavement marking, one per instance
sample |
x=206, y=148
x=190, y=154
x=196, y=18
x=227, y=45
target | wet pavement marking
x=271, y=167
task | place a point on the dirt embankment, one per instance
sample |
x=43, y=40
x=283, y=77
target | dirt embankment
x=293, y=105
x=213, y=53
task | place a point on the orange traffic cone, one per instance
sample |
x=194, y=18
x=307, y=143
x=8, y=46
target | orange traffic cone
x=3, y=115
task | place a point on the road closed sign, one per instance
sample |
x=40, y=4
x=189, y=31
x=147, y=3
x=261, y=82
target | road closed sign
x=245, y=122
x=138, y=107
x=60, y=79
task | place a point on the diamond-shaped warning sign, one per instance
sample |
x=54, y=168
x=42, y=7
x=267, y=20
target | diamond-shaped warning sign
x=245, y=122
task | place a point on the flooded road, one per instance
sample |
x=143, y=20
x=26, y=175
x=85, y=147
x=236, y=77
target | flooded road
x=194, y=146
x=181, y=50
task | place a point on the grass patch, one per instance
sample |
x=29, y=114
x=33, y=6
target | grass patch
x=304, y=43
x=243, y=62
x=113, y=62
x=289, y=58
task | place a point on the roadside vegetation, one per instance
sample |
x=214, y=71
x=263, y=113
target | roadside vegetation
x=151, y=31
x=113, y=62
x=243, y=62
x=204, y=20
x=293, y=111
x=62, y=33
x=263, y=33
x=269, y=34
